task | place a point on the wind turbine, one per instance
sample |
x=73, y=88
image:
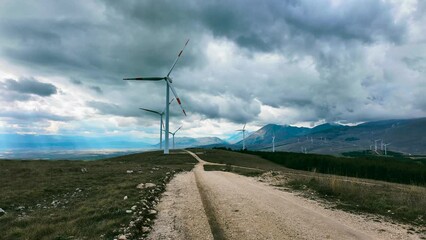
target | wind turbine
x=386, y=145
x=173, y=133
x=273, y=142
x=375, y=144
x=169, y=86
x=161, y=121
x=244, y=135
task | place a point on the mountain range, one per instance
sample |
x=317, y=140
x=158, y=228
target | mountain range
x=402, y=135
x=407, y=136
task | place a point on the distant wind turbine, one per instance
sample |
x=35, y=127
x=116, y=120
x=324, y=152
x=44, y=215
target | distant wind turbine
x=169, y=86
x=375, y=144
x=244, y=135
x=386, y=145
x=173, y=134
x=161, y=121
x=273, y=142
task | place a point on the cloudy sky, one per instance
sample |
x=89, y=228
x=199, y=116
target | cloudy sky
x=296, y=62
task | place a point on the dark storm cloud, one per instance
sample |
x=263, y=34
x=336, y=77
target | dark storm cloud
x=33, y=116
x=269, y=25
x=96, y=89
x=222, y=106
x=76, y=81
x=30, y=86
x=25, y=89
x=95, y=45
x=122, y=45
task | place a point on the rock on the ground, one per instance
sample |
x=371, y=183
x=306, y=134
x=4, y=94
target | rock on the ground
x=150, y=185
x=122, y=237
x=125, y=198
x=152, y=212
x=129, y=171
x=2, y=212
x=145, y=185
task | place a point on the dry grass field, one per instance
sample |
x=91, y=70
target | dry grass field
x=84, y=199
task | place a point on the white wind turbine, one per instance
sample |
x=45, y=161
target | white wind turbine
x=386, y=145
x=173, y=134
x=375, y=144
x=273, y=142
x=244, y=135
x=161, y=114
x=169, y=86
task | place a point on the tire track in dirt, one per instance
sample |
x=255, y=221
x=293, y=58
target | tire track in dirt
x=217, y=231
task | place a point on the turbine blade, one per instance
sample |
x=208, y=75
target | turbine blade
x=244, y=126
x=177, y=58
x=149, y=110
x=146, y=78
x=177, y=130
x=176, y=96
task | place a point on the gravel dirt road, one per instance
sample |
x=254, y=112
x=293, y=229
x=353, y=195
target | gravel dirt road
x=222, y=205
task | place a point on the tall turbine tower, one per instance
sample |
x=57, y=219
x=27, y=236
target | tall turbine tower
x=244, y=135
x=169, y=86
x=161, y=114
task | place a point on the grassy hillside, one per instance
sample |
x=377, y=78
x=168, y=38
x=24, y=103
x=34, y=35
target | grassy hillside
x=83, y=199
x=391, y=169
